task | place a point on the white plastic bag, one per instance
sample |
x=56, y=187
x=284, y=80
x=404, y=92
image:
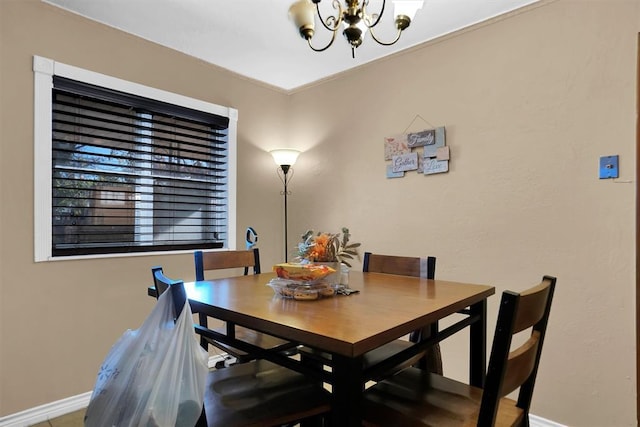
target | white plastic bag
x=152, y=376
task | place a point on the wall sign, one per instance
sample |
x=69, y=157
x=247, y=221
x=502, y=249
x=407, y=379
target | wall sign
x=420, y=139
x=424, y=152
x=405, y=162
x=392, y=174
x=433, y=165
x=395, y=145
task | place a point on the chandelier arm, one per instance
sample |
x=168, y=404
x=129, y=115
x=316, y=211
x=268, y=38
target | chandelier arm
x=336, y=5
x=333, y=37
x=364, y=13
x=373, y=36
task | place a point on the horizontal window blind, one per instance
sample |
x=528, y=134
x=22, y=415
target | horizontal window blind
x=131, y=174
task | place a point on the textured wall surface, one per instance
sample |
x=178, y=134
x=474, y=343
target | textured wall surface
x=530, y=103
x=59, y=319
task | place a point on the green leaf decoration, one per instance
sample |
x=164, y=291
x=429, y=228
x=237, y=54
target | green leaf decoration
x=327, y=247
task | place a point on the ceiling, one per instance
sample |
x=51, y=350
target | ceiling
x=255, y=38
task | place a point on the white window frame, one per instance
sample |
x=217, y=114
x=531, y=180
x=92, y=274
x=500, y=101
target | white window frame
x=44, y=69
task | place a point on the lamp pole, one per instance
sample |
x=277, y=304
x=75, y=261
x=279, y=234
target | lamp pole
x=285, y=158
x=285, y=180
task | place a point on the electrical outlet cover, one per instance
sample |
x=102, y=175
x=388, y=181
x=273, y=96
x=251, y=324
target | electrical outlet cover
x=608, y=167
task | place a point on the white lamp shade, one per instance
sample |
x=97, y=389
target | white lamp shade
x=285, y=156
x=407, y=7
x=302, y=14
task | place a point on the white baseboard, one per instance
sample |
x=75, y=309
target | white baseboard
x=535, y=421
x=46, y=412
x=51, y=410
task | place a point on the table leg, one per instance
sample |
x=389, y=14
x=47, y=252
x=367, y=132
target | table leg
x=346, y=393
x=478, y=345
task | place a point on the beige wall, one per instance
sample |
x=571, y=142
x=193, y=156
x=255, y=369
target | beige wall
x=529, y=102
x=59, y=319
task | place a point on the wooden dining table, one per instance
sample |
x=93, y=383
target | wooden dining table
x=386, y=307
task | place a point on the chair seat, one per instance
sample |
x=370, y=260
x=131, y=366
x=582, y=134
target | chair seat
x=418, y=398
x=432, y=357
x=252, y=337
x=260, y=393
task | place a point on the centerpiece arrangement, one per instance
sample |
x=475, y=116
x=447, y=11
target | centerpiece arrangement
x=325, y=248
x=317, y=268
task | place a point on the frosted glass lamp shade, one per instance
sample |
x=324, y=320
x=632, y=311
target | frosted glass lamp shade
x=302, y=14
x=407, y=8
x=285, y=156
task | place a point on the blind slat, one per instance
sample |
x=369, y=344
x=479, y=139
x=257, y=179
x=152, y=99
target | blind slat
x=131, y=174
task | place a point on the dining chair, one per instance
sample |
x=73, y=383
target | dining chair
x=430, y=359
x=222, y=260
x=160, y=281
x=257, y=393
x=419, y=398
x=226, y=260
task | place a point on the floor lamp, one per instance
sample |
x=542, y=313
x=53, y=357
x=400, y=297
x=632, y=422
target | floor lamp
x=285, y=158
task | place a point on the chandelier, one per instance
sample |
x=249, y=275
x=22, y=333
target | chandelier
x=354, y=18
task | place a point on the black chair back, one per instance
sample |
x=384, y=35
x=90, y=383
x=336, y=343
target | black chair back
x=162, y=283
x=511, y=369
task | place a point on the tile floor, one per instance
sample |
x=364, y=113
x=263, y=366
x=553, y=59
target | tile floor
x=74, y=419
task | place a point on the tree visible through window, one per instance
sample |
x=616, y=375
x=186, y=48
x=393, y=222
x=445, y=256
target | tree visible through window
x=131, y=174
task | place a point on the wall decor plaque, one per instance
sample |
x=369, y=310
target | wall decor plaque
x=434, y=165
x=392, y=174
x=395, y=145
x=404, y=153
x=405, y=162
x=420, y=139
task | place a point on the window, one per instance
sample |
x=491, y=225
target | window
x=127, y=168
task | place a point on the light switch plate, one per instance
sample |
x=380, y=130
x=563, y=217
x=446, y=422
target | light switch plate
x=608, y=167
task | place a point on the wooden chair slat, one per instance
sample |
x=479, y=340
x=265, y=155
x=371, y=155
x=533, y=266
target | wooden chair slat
x=228, y=259
x=520, y=364
x=532, y=309
x=405, y=266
